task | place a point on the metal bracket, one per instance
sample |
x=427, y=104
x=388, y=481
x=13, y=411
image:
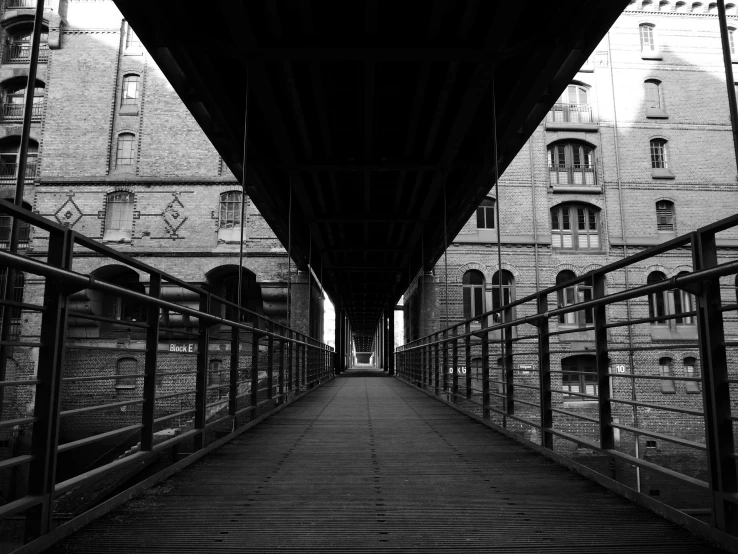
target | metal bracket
x=692, y=288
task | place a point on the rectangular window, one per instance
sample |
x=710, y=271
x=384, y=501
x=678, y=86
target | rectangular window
x=658, y=154
x=647, y=42
x=126, y=152
x=693, y=387
x=667, y=384
x=130, y=94
x=131, y=38
x=664, y=216
x=119, y=212
x=125, y=373
x=653, y=99
x=230, y=210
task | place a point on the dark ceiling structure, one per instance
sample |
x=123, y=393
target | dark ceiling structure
x=374, y=119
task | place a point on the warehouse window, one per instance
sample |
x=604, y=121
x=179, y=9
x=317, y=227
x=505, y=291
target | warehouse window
x=658, y=302
x=229, y=221
x=486, y=214
x=658, y=154
x=653, y=93
x=667, y=372
x=14, y=93
x=664, y=215
x=473, y=293
x=125, y=155
x=571, y=164
x=574, y=294
x=684, y=303
x=690, y=370
x=16, y=296
x=132, y=42
x=131, y=90
x=575, y=226
x=680, y=7
x=125, y=373
x=712, y=8
x=579, y=375
x=697, y=7
x=647, y=38
x=119, y=216
x=214, y=373
x=6, y=227
x=508, y=291
x=664, y=6
x=9, y=154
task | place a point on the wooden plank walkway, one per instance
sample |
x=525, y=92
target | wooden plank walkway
x=365, y=464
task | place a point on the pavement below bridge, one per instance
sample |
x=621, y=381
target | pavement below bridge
x=366, y=463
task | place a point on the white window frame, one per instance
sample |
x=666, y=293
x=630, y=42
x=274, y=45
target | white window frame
x=566, y=231
x=119, y=216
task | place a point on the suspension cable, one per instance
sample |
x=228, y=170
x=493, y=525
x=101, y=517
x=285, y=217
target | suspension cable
x=243, y=193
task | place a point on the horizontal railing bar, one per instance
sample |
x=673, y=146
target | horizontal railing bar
x=521, y=401
x=23, y=305
x=655, y=377
x=16, y=461
x=121, y=322
x=217, y=402
x=21, y=505
x=100, y=407
x=103, y=378
x=172, y=416
x=171, y=373
x=660, y=436
x=82, y=478
x=577, y=415
x=580, y=394
x=658, y=407
x=95, y=438
x=668, y=317
x=21, y=383
x=19, y=421
x=218, y=421
x=21, y=343
x=175, y=394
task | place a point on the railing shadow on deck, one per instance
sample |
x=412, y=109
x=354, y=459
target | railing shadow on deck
x=635, y=386
x=123, y=377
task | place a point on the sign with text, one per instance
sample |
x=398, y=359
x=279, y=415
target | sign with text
x=187, y=348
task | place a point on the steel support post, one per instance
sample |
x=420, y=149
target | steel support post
x=436, y=364
x=233, y=375
x=467, y=360
x=607, y=437
x=255, y=336
x=391, y=338
x=446, y=365
x=201, y=377
x=508, y=365
x=290, y=363
x=715, y=387
x=150, y=365
x=455, y=363
x=485, y=372
x=47, y=405
x=338, y=337
x=544, y=374
x=270, y=364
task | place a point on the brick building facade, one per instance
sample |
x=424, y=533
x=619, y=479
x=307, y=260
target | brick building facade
x=116, y=155
x=638, y=150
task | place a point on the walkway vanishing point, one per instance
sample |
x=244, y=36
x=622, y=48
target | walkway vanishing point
x=367, y=463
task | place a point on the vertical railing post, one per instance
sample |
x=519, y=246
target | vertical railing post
x=201, y=376
x=607, y=437
x=485, y=370
x=436, y=364
x=391, y=341
x=47, y=404
x=508, y=365
x=150, y=365
x=255, y=336
x=233, y=382
x=544, y=374
x=290, y=363
x=715, y=386
x=446, y=365
x=270, y=362
x=455, y=363
x=467, y=361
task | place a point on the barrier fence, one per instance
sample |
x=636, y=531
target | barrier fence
x=106, y=375
x=634, y=385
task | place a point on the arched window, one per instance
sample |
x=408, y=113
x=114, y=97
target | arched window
x=697, y=7
x=578, y=377
x=125, y=154
x=18, y=45
x=664, y=6
x=712, y=8
x=118, y=216
x=572, y=106
x=647, y=5
x=658, y=154
x=126, y=370
x=131, y=90
x=223, y=283
x=6, y=227
x=508, y=290
x=667, y=372
x=665, y=215
x=690, y=370
x=473, y=293
x=653, y=93
x=9, y=148
x=571, y=295
x=680, y=7
x=13, y=97
x=658, y=301
x=571, y=164
x=648, y=43
x=16, y=296
x=684, y=303
x=575, y=226
x=729, y=9
x=229, y=221
x=486, y=214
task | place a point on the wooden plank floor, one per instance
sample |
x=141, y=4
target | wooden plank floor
x=366, y=464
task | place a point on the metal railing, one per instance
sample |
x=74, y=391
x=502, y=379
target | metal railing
x=20, y=4
x=14, y=112
x=21, y=53
x=572, y=175
x=570, y=113
x=646, y=414
x=113, y=375
x=9, y=170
